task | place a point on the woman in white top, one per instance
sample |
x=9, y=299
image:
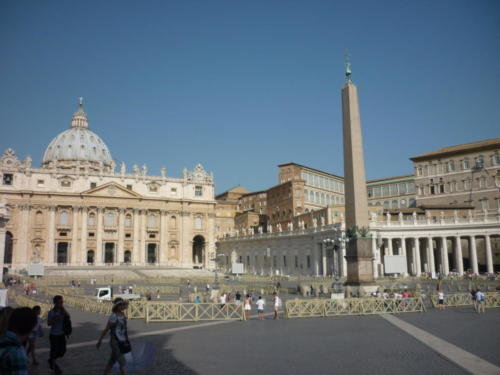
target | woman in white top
x=277, y=305
x=440, y=299
x=260, y=308
x=248, y=306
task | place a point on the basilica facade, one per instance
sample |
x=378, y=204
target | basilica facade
x=81, y=209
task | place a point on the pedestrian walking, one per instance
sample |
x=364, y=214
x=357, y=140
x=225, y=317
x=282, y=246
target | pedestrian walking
x=440, y=300
x=222, y=299
x=58, y=322
x=260, y=308
x=480, y=301
x=13, y=358
x=474, y=301
x=119, y=342
x=248, y=306
x=34, y=335
x=237, y=298
x=277, y=306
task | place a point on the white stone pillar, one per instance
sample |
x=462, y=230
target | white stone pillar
x=142, y=244
x=20, y=253
x=389, y=244
x=99, y=258
x=121, y=236
x=163, y=251
x=73, y=253
x=444, y=256
x=473, y=255
x=418, y=265
x=3, y=233
x=135, y=251
x=316, y=255
x=489, y=257
x=51, y=237
x=344, y=260
x=430, y=257
x=82, y=258
x=458, y=255
x=375, y=257
x=323, y=259
x=403, y=246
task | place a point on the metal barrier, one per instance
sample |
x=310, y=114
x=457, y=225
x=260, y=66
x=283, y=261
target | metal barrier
x=171, y=311
x=492, y=299
x=351, y=306
x=24, y=301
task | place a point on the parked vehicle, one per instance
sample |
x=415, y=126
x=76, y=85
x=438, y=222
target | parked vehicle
x=106, y=294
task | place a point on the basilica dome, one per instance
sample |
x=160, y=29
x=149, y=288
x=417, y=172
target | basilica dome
x=78, y=146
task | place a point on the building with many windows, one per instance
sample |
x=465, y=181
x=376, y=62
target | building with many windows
x=467, y=174
x=78, y=210
x=392, y=193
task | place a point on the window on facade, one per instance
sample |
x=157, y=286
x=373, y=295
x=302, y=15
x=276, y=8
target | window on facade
x=465, y=164
x=370, y=192
x=128, y=221
x=402, y=188
x=308, y=261
x=432, y=190
x=385, y=190
x=198, y=191
x=91, y=220
x=63, y=218
x=376, y=192
x=173, y=222
x=109, y=219
x=40, y=183
x=441, y=188
x=93, y=185
x=484, y=203
x=496, y=159
x=403, y=203
x=296, y=261
x=386, y=204
x=91, y=234
x=153, y=188
x=284, y=260
x=479, y=162
x=39, y=218
x=129, y=187
x=411, y=187
x=393, y=188
x=65, y=183
x=128, y=235
x=419, y=171
x=451, y=166
x=151, y=221
x=7, y=178
x=394, y=204
x=197, y=223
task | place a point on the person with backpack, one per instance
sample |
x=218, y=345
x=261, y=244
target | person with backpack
x=119, y=342
x=480, y=301
x=60, y=327
x=13, y=358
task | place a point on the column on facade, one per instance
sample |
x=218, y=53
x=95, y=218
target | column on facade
x=315, y=259
x=416, y=256
x=344, y=260
x=82, y=258
x=430, y=257
x=389, y=244
x=445, y=267
x=99, y=258
x=473, y=255
x=21, y=252
x=51, y=237
x=323, y=259
x=163, y=251
x=121, y=235
x=489, y=257
x=402, y=251
x=3, y=233
x=375, y=257
x=142, y=245
x=135, y=252
x=73, y=254
x=458, y=256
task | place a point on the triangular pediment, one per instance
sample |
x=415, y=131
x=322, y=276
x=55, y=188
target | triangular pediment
x=112, y=190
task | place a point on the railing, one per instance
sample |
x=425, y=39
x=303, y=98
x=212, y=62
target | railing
x=351, y=306
x=492, y=299
x=24, y=301
x=171, y=311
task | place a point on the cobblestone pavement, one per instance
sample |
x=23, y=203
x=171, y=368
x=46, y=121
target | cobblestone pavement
x=341, y=345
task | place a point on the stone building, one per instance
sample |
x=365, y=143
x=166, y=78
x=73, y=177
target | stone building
x=467, y=174
x=76, y=210
x=226, y=209
x=392, y=193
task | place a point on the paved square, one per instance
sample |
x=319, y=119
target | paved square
x=340, y=345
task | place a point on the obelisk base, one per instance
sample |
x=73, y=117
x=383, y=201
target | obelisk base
x=360, y=281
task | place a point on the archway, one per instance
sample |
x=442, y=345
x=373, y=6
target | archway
x=90, y=257
x=7, y=258
x=198, y=251
x=62, y=252
x=151, y=253
x=109, y=252
x=127, y=257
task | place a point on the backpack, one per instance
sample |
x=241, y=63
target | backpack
x=67, y=327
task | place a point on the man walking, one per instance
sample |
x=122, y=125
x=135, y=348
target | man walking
x=480, y=301
x=260, y=308
x=277, y=306
x=57, y=336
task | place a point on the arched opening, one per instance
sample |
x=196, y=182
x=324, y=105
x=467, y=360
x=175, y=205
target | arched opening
x=151, y=253
x=7, y=257
x=198, y=251
x=90, y=257
x=62, y=252
x=109, y=252
x=127, y=257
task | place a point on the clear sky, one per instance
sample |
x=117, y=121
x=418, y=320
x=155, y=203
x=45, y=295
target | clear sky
x=241, y=86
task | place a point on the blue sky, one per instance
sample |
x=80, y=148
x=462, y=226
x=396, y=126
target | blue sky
x=242, y=86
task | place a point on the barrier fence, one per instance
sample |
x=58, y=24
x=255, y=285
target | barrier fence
x=171, y=311
x=492, y=299
x=351, y=306
x=24, y=301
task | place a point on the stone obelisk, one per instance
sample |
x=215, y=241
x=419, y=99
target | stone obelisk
x=359, y=252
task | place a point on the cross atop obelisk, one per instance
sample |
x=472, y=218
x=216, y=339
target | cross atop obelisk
x=359, y=251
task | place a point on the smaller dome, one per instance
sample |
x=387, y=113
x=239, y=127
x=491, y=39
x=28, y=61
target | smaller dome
x=78, y=144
